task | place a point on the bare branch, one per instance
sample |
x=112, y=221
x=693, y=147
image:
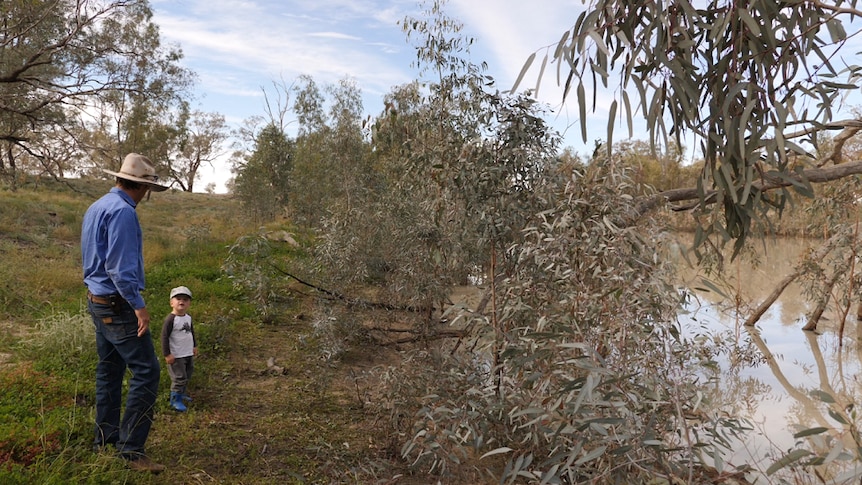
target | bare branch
x=818, y=255
x=353, y=301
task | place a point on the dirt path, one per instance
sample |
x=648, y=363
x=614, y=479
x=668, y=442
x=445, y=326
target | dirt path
x=273, y=411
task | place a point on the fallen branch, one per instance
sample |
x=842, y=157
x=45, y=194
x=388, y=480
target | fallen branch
x=818, y=255
x=353, y=301
x=425, y=338
x=764, y=306
x=814, y=175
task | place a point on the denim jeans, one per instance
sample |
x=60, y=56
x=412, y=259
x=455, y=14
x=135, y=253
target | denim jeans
x=120, y=348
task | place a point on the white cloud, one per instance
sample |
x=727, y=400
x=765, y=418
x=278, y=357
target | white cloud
x=334, y=35
x=325, y=42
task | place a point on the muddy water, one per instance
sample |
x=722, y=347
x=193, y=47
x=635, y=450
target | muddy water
x=780, y=393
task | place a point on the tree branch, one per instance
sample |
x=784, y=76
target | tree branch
x=818, y=255
x=424, y=338
x=353, y=301
x=814, y=175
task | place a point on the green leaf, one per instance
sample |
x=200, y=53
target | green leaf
x=561, y=44
x=724, y=170
x=748, y=20
x=823, y=396
x=524, y=70
x=810, y=432
x=836, y=30
x=503, y=449
x=628, y=108
x=712, y=287
x=582, y=106
x=592, y=455
x=611, y=120
x=600, y=43
x=837, y=417
x=541, y=72
x=787, y=459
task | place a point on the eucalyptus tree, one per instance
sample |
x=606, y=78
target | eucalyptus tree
x=758, y=84
x=147, y=109
x=332, y=153
x=262, y=176
x=59, y=59
x=33, y=35
x=450, y=170
x=754, y=82
x=201, y=139
x=577, y=370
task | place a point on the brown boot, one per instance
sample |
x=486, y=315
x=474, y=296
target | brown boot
x=144, y=464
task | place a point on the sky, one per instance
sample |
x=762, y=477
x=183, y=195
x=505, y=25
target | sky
x=239, y=48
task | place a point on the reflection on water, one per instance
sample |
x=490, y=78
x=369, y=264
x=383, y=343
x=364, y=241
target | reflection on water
x=753, y=281
x=796, y=374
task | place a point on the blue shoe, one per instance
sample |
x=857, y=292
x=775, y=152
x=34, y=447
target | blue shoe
x=177, y=402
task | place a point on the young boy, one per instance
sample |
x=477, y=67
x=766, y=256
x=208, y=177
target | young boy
x=179, y=346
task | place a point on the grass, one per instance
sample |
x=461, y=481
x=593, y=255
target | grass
x=297, y=421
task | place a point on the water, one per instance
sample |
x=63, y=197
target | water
x=794, y=371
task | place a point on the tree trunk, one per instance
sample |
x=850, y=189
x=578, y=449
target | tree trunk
x=821, y=303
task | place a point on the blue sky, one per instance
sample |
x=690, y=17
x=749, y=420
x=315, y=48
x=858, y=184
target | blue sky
x=240, y=47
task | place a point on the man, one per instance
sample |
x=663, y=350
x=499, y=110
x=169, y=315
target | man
x=112, y=251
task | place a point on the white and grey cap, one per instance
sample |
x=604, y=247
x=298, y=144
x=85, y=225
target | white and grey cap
x=181, y=290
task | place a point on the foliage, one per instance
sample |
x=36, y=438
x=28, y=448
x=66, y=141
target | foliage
x=332, y=153
x=247, y=267
x=833, y=453
x=763, y=78
x=252, y=267
x=63, y=58
x=652, y=170
x=581, y=372
x=263, y=176
x=201, y=138
x=452, y=171
x=594, y=381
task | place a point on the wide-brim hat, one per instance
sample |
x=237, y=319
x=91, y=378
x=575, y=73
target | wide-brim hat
x=139, y=168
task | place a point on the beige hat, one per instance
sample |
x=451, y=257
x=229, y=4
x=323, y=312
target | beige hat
x=181, y=290
x=139, y=168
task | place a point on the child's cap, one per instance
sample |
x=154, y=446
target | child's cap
x=181, y=290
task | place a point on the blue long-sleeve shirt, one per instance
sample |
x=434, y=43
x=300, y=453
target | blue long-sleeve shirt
x=112, y=248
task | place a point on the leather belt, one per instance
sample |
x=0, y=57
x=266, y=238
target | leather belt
x=98, y=299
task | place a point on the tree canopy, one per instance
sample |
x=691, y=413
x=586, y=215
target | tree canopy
x=755, y=82
x=82, y=83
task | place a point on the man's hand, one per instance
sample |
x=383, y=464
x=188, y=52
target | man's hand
x=170, y=359
x=143, y=321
